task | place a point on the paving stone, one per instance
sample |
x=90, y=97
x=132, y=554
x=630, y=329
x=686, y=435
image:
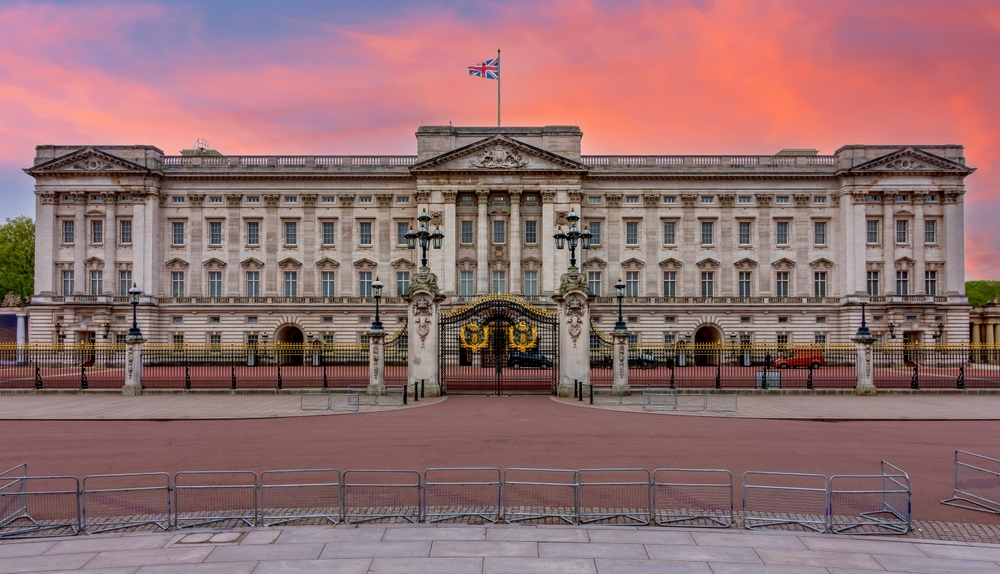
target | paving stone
x=227, y=568
x=177, y=555
x=265, y=552
x=836, y=544
x=43, y=563
x=484, y=548
x=641, y=536
x=262, y=536
x=592, y=550
x=430, y=533
x=748, y=540
x=87, y=544
x=24, y=549
x=415, y=549
x=730, y=568
x=434, y=565
x=340, y=566
x=961, y=552
x=651, y=567
x=225, y=537
x=816, y=558
x=702, y=553
x=300, y=535
x=533, y=534
x=538, y=566
x=935, y=565
x=125, y=570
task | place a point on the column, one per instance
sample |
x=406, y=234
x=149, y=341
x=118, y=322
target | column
x=386, y=239
x=310, y=238
x=651, y=230
x=976, y=341
x=860, y=226
x=110, y=245
x=514, y=281
x=953, y=226
x=614, y=241
x=842, y=231
x=376, y=358
x=196, y=285
x=234, y=245
x=141, y=242
x=46, y=244
x=765, y=244
x=919, y=286
x=450, y=243
x=802, y=243
x=80, y=238
x=549, y=274
x=347, y=280
x=690, y=286
x=889, y=243
x=273, y=240
x=990, y=354
x=21, y=336
x=482, y=244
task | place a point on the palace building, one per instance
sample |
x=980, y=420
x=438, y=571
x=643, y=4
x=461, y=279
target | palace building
x=773, y=248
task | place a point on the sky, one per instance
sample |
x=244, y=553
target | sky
x=639, y=77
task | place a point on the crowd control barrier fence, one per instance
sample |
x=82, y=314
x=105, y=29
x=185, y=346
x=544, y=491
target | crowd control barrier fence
x=977, y=483
x=871, y=504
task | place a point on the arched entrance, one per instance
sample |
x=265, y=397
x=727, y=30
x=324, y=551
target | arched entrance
x=290, y=335
x=706, y=340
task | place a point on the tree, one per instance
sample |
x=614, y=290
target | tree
x=17, y=256
x=982, y=292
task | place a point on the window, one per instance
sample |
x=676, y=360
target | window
x=97, y=232
x=669, y=338
x=744, y=233
x=291, y=199
x=930, y=231
x=531, y=232
x=69, y=228
x=253, y=199
x=819, y=284
x=365, y=199
x=215, y=339
x=215, y=199
x=669, y=283
x=215, y=233
x=498, y=199
x=594, y=283
x=466, y=232
x=499, y=232
x=499, y=284
x=125, y=231
x=707, y=284
x=329, y=199
x=873, y=289
x=670, y=320
x=178, y=199
x=253, y=233
x=329, y=286
x=252, y=320
x=253, y=283
x=782, y=284
x=820, y=339
x=124, y=282
x=746, y=319
x=633, y=339
x=669, y=233
x=632, y=284
x=403, y=199
x=466, y=283
x=781, y=199
x=819, y=200
x=67, y=281
x=707, y=199
x=669, y=199
x=900, y=198
x=821, y=319
x=930, y=198
x=531, y=282
x=96, y=282
x=782, y=319
x=595, y=230
x=215, y=320
x=291, y=233
x=178, y=338
x=819, y=233
x=401, y=228
x=594, y=199
x=902, y=282
x=745, y=199
x=178, y=235
x=365, y=228
x=744, y=283
x=930, y=282
x=872, y=231
x=329, y=233
x=215, y=284
x=782, y=233
x=631, y=233
x=177, y=284
x=402, y=283
x=901, y=235
x=365, y=284
x=707, y=233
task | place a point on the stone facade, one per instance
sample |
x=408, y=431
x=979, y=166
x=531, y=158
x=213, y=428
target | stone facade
x=228, y=248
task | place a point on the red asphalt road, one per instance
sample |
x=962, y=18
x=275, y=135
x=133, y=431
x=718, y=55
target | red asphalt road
x=510, y=432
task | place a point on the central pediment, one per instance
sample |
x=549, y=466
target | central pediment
x=88, y=161
x=499, y=154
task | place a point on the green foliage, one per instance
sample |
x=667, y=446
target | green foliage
x=982, y=292
x=17, y=257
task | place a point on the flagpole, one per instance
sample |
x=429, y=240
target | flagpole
x=498, y=87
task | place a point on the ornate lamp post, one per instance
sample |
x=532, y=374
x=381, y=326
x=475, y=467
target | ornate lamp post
x=424, y=237
x=377, y=292
x=574, y=235
x=133, y=297
x=107, y=329
x=620, y=293
x=940, y=332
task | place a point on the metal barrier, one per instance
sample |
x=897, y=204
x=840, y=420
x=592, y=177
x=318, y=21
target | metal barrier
x=693, y=497
x=314, y=401
x=207, y=498
x=691, y=402
x=388, y=397
x=977, y=483
x=380, y=495
x=540, y=495
x=614, y=496
x=612, y=396
x=38, y=506
x=300, y=497
x=138, y=501
x=720, y=402
x=871, y=504
x=785, y=499
x=472, y=494
x=659, y=399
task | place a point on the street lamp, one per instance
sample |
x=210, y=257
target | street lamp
x=863, y=331
x=620, y=292
x=892, y=326
x=940, y=331
x=377, y=292
x=573, y=235
x=107, y=329
x=59, y=335
x=424, y=237
x=133, y=297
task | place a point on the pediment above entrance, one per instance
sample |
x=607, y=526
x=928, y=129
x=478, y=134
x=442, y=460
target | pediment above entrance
x=87, y=161
x=499, y=154
x=910, y=160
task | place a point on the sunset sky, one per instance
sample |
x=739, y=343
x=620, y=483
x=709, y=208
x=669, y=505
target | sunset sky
x=650, y=77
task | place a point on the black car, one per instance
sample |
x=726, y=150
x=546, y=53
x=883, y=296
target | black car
x=517, y=360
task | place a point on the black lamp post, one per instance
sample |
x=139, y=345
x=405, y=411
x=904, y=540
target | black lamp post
x=892, y=326
x=574, y=235
x=133, y=297
x=59, y=335
x=620, y=293
x=107, y=330
x=424, y=237
x=863, y=331
x=377, y=292
x=940, y=331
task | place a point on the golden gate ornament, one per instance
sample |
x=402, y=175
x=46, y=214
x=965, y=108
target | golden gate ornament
x=474, y=336
x=522, y=337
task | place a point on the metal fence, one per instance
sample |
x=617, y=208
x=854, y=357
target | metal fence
x=977, y=483
x=614, y=496
x=871, y=504
x=693, y=497
x=540, y=495
x=937, y=366
x=785, y=500
x=300, y=497
x=397, y=353
x=471, y=495
x=218, y=499
x=38, y=506
x=601, y=357
x=62, y=366
x=131, y=502
x=381, y=496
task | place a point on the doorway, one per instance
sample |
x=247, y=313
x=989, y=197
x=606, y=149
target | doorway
x=706, y=340
x=291, y=336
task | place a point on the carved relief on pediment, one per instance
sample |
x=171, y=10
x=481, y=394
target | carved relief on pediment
x=745, y=264
x=252, y=264
x=822, y=264
x=499, y=156
x=707, y=263
x=327, y=264
x=671, y=264
x=214, y=264
x=783, y=264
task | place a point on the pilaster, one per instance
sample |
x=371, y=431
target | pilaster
x=110, y=245
x=482, y=244
x=515, y=241
x=549, y=272
x=450, y=241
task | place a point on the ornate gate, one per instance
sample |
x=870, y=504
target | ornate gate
x=499, y=344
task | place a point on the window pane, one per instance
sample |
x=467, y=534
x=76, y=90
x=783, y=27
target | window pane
x=466, y=232
x=595, y=229
x=819, y=284
x=594, y=283
x=708, y=284
x=930, y=282
x=329, y=233
x=96, y=282
x=215, y=284
x=902, y=282
x=401, y=228
x=707, y=229
x=669, y=283
x=97, y=232
x=329, y=284
x=499, y=282
x=531, y=283
x=873, y=283
x=872, y=231
x=744, y=283
x=366, y=233
x=124, y=282
x=253, y=233
x=215, y=233
x=402, y=283
x=177, y=284
x=669, y=233
x=819, y=233
x=68, y=232
x=67, y=281
x=632, y=233
x=901, y=231
x=782, y=284
x=126, y=231
x=930, y=231
x=467, y=283
x=499, y=232
x=531, y=232
x=291, y=233
x=632, y=284
x=365, y=283
x=782, y=233
x=253, y=283
x=744, y=233
x=178, y=228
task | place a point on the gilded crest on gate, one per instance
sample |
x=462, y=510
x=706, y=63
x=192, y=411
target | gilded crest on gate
x=474, y=336
x=522, y=336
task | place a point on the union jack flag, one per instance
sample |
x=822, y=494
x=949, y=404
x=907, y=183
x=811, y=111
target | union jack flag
x=490, y=69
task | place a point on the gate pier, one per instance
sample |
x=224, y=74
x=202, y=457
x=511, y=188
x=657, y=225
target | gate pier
x=423, y=317
x=574, y=332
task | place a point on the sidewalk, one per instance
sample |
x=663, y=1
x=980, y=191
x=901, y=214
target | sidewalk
x=492, y=550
